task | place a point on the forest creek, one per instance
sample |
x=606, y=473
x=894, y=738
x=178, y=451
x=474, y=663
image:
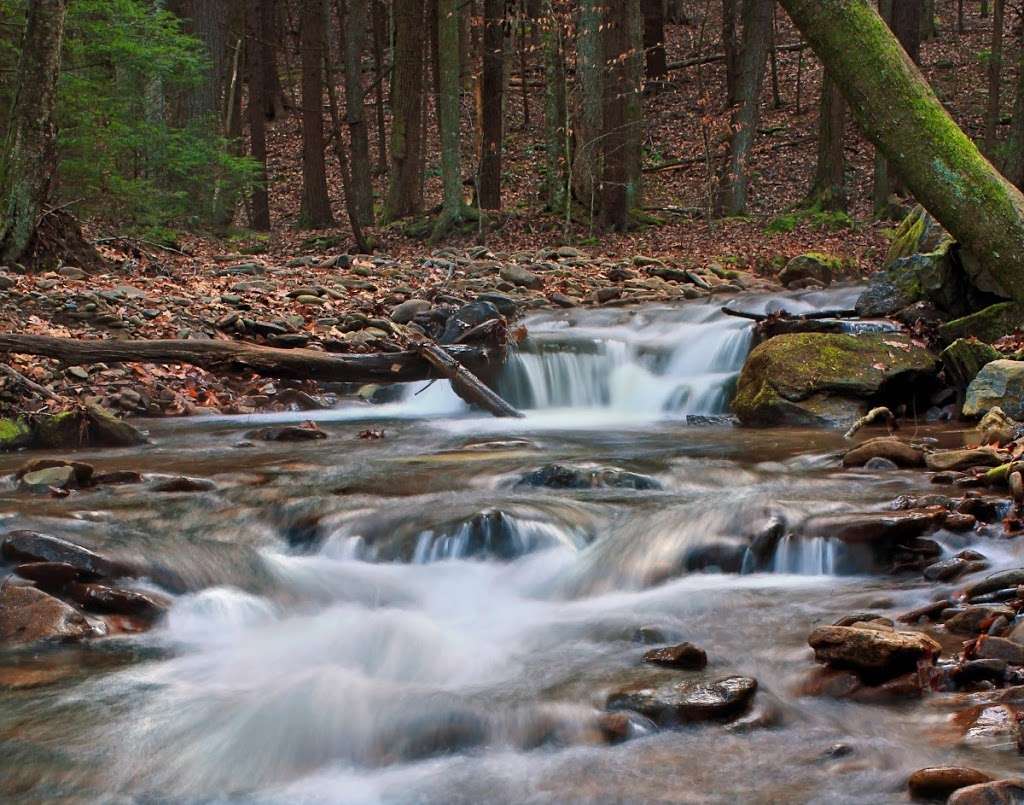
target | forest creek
x=668, y=448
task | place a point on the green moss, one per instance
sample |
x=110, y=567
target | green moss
x=14, y=434
x=986, y=325
x=964, y=358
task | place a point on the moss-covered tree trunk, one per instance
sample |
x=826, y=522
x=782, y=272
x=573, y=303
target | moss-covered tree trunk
x=405, y=180
x=449, y=93
x=897, y=110
x=27, y=164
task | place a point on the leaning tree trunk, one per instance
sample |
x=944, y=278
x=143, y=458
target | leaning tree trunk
x=897, y=110
x=1014, y=168
x=27, y=163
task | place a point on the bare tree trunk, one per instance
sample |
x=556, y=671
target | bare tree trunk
x=656, y=61
x=379, y=20
x=492, y=86
x=354, y=25
x=405, y=180
x=316, y=204
x=730, y=47
x=900, y=114
x=28, y=161
x=757, y=21
x=587, y=164
x=449, y=117
x=270, y=29
x=260, y=213
x=829, y=188
x=554, y=109
x=614, y=199
x=206, y=20
x=995, y=76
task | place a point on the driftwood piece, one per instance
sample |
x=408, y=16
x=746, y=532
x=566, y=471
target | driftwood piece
x=464, y=382
x=236, y=357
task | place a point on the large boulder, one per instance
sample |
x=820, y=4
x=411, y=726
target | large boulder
x=28, y=615
x=31, y=546
x=821, y=268
x=999, y=383
x=825, y=379
x=964, y=358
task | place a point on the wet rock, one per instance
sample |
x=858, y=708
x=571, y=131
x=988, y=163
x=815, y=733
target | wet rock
x=102, y=598
x=183, y=483
x=722, y=556
x=997, y=428
x=976, y=619
x=816, y=379
x=811, y=266
x=435, y=734
x=466, y=318
x=994, y=726
x=62, y=477
x=873, y=527
x=946, y=460
x=563, y=300
x=879, y=464
x=615, y=727
x=839, y=683
x=90, y=426
x=895, y=450
x=518, y=275
x=650, y=634
x=28, y=615
x=959, y=522
x=686, y=702
x=685, y=655
x=938, y=782
x=873, y=654
x=563, y=476
x=1000, y=792
x=31, y=546
x=999, y=384
x=117, y=477
x=83, y=473
x=1000, y=648
x=980, y=670
x=933, y=277
x=997, y=581
x=50, y=576
x=946, y=570
x=287, y=433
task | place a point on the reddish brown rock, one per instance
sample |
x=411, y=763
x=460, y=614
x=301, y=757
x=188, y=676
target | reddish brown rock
x=1000, y=792
x=28, y=615
x=686, y=656
x=895, y=450
x=938, y=782
x=877, y=654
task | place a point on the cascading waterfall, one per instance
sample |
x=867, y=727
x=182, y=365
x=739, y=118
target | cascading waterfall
x=654, y=362
x=808, y=556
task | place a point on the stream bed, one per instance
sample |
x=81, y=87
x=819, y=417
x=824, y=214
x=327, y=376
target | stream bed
x=391, y=615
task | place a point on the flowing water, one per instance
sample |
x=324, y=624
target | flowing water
x=363, y=620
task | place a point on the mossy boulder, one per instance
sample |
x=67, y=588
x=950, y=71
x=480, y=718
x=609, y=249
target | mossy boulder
x=15, y=434
x=999, y=383
x=90, y=426
x=918, y=233
x=988, y=325
x=926, y=277
x=813, y=266
x=827, y=379
x=964, y=358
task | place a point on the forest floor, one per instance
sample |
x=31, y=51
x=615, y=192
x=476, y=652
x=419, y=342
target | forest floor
x=291, y=287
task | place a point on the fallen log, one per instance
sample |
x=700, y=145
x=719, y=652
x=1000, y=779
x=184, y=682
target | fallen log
x=822, y=314
x=236, y=357
x=464, y=382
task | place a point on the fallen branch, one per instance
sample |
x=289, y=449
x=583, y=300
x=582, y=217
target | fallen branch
x=236, y=357
x=464, y=382
x=822, y=314
x=18, y=377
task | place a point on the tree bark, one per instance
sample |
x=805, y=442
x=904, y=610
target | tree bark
x=995, y=76
x=206, y=20
x=757, y=22
x=828, y=190
x=260, y=211
x=28, y=162
x=316, y=204
x=354, y=26
x=587, y=167
x=897, y=110
x=450, y=92
x=492, y=86
x=730, y=46
x=379, y=14
x=655, y=61
x=615, y=44
x=405, y=180
x=554, y=109
x=1014, y=169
